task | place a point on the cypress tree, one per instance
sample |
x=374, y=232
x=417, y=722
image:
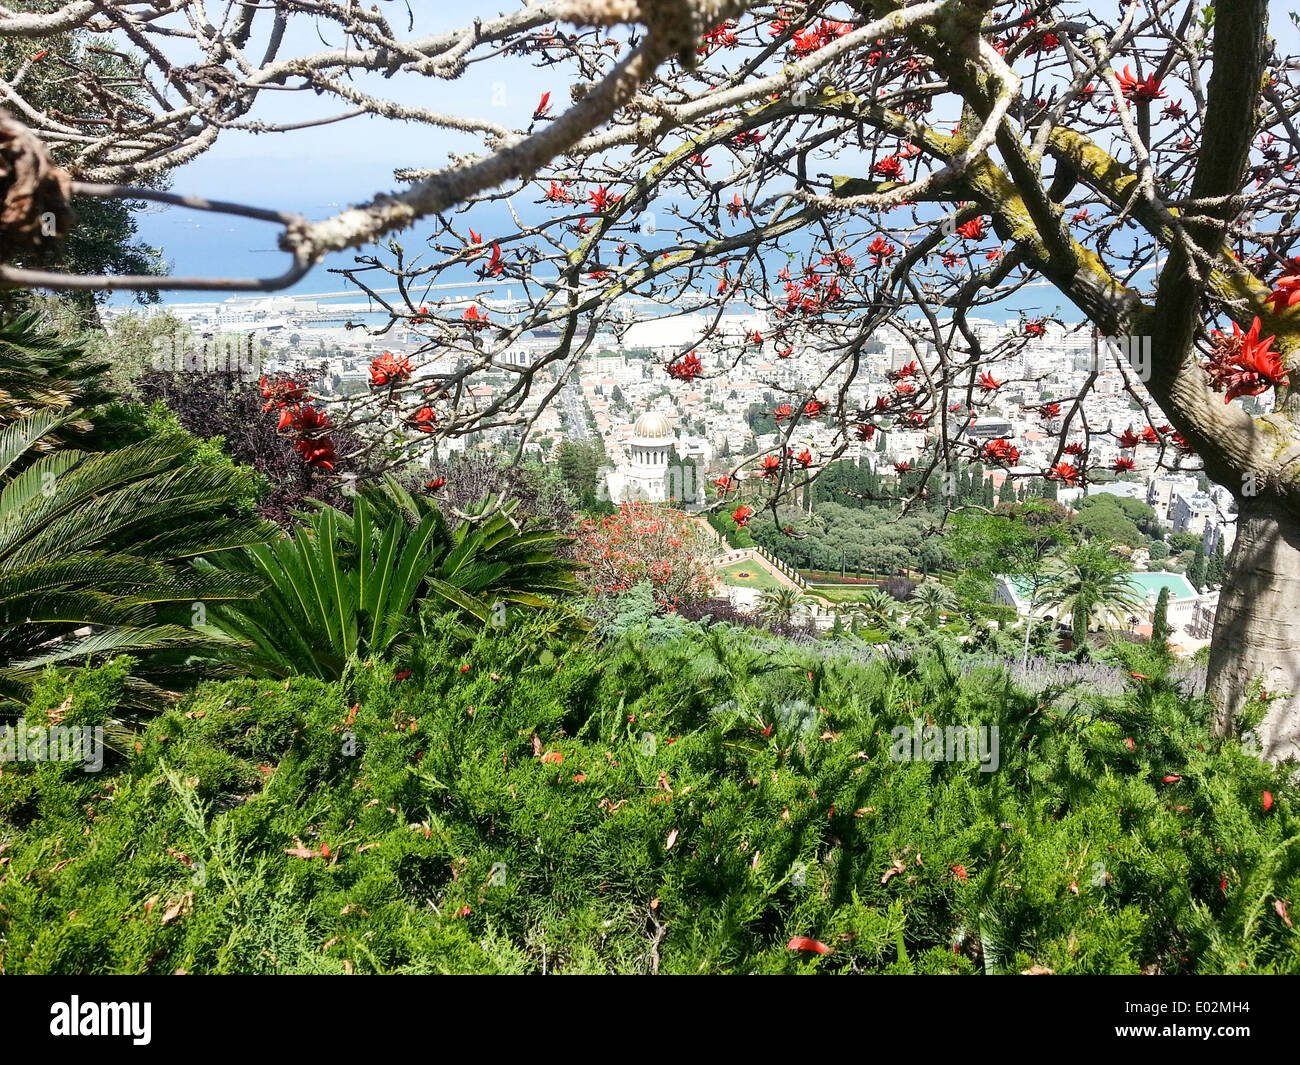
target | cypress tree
x=1160, y=622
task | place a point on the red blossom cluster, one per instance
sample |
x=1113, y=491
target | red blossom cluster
x=686, y=369
x=1143, y=90
x=644, y=542
x=810, y=39
x=1001, y=453
x=387, y=370
x=1244, y=365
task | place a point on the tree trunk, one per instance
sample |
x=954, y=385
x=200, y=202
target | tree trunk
x=1257, y=628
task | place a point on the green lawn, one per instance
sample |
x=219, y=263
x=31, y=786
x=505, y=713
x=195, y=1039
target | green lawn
x=758, y=576
x=840, y=594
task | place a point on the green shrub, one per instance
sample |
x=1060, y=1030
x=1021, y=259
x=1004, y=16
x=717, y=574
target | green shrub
x=719, y=793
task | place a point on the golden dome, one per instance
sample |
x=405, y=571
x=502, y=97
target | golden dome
x=651, y=428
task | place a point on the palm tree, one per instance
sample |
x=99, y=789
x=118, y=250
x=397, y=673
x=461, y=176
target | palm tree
x=780, y=604
x=344, y=586
x=42, y=373
x=878, y=605
x=933, y=598
x=1093, y=585
x=94, y=547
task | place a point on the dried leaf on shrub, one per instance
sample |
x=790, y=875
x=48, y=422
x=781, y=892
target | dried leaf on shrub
x=178, y=907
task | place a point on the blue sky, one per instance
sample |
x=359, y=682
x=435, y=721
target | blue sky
x=319, y=170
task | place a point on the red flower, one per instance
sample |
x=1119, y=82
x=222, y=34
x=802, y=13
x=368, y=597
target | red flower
x=813, y=408
x=804, y=458
x=1127, y=439
x=435, y=484
x=959, y=871
x=494, y=267
x=785, y=353
x=386, y=369
x=1268, y=802
x=1063, y=471
x=543, y=106
x=1035, y=327
x=424, y=419
x=782, y=412
x=972, y=230
x=890, y=168
x=281, y=392
x=864, y=431
x=755, y=338
x=1150, y=436
x=600, y=198
x=474, y=320
x=1050, y=410
x=558, y=194
x=310, y=421
x=1144, y=91
x=1286, y=292
x=1123, y=466
x=770, y=465
x=735, y=208
x=686, y=369
x=741, y=515
x=317, y=452
x=989, y=383
x=1003, y=452
x=902, y=467
x=1243, y=364
x=1075, y=449
x=725, y=484
x=880, y=251
x=804, y=943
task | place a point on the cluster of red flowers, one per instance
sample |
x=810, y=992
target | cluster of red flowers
x=281, y=392
x=816, y=292
x=721, y=36
x=1066, y=473
x=809, y=40
x=881, y=251
x=387, y=370
x=308, y=424
x=1286, y=289
x=890, y=168
x=1001, y=452
x=1244, y=365
x=1143, y=90
x=686, y=369
x=600, y=198
x=643, y=542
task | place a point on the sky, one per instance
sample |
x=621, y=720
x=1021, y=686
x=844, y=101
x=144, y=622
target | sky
x=318, y=171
